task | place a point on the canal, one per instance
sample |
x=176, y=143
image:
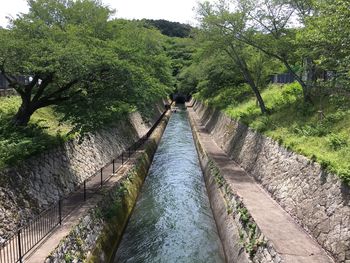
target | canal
x=172, y=220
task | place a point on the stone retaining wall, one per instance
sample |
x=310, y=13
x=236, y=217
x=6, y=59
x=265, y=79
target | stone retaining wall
x=28, y=188
x=95, y=238
x=241, y=237
x=317, y=200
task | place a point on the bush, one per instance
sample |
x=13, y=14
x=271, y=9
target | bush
x=337, y=141
x=335, y=117
x=18, y=143
x=263, y=124
x=319, y=129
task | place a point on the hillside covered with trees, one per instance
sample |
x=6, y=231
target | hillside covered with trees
x=240, y=44
x=86, y=70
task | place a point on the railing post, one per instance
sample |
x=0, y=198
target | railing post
x=101, y=176
x=60, y=211
x=84, y=190
x=113, y=167
x=19, y=246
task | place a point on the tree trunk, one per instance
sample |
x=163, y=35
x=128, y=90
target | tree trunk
x=258, y=97
x=241, y=63
x=23, y=114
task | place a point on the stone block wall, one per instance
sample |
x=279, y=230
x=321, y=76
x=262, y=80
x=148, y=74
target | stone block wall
x=241, y=237
x=316, y=199
x=33, y=185
x=95, y=238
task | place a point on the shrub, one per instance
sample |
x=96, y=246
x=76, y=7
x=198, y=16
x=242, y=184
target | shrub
x=337, y=141
x=318, y=129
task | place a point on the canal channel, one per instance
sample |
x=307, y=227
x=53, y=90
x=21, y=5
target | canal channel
x=172, y=220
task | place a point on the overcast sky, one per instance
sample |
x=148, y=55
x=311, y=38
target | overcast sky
x=172, y=10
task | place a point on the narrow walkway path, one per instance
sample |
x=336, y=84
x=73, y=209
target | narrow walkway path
x=40, y=252
x=289, y=239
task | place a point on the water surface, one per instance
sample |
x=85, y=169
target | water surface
x=172, y=220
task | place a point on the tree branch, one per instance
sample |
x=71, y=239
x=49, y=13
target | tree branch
x=42, y=87
x=60, y=90
x=54, y=101
x=29, y=87
x=12, y=81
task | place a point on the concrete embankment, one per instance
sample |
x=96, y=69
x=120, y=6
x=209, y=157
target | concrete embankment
x=42, y=180
x=252, y=226
x=316, y=199
x=95, y=237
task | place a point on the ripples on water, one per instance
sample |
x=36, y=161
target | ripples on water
x=172, y=220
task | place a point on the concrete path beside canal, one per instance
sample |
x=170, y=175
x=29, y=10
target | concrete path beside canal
x=49, y=243
x=288, y=238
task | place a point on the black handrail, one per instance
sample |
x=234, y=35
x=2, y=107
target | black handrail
x=27, y=237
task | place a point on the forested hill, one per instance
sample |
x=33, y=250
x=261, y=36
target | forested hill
x=171, y=29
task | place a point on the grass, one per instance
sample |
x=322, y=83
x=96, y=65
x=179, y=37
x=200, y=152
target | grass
x=51, y=126
x=299, y=126
x=43, y=132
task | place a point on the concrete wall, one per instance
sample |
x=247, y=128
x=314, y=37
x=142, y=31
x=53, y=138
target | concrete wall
x=318, y=200
x=28, y=188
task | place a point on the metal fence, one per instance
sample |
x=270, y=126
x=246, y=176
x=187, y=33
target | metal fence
x=7, y=92
x=19, y=244
x=282, y=78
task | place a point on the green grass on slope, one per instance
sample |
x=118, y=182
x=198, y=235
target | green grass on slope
x=18, y=143
x=301, y=127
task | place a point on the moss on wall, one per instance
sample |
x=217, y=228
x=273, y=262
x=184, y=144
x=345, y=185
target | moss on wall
x=119, y=205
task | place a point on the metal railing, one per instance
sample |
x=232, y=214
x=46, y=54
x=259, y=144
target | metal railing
x=27, y=237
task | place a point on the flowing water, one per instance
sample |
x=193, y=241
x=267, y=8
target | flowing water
x=172, y=220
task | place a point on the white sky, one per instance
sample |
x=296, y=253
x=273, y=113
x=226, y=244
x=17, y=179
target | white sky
x=172, y=10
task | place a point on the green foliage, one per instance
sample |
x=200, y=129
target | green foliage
x=181, y=50
x=256, y=36
x=248, y=237
x=317, y=129
x=77, y=56
x=327, y=47
x=87, y=73
x=337, y=141
x=68, y=258
x=298, y=125
x=244, y=215
x=215, y=172
x=171, y=29
x=227, y=96
x=18, y=143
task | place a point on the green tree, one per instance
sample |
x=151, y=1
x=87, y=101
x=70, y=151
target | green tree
x=171, y=29
x=329, y=49
x=268, y=26
x=74, y=54
x=57, y=52
x=180, y=51
x=222, y=27
x=139, y=73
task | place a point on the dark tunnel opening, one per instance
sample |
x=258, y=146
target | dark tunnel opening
x=181, y=98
